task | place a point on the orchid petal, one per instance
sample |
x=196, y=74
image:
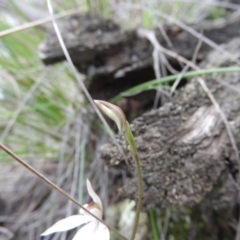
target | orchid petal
x=96, y=212
x=82, y=211
x=67, y=224
x=94, y=196
x=93, y=231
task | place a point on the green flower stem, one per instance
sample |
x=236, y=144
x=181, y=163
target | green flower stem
x=116, y=114
x=140, y=196
x=131, y=142
x=153, y=220
x=130, y=139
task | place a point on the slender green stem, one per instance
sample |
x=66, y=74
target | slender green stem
x=117, y=115
x=131, y=142
x=140, y=196
x=153, y=220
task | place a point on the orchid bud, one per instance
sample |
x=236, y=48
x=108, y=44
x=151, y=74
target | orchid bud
x=113, y=112
x=117, y=115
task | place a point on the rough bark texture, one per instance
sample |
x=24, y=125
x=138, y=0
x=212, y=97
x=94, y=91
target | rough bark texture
x=185, y=151
x=184, y=147
x=114, y=60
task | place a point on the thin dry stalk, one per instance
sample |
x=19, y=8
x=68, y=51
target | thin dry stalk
x=194, y=58
x=80, y=155
x=79, y=80
x=166, y=222
x=60, y=167
x=186, y=28
x=219, y=110
x=75, y=177
x=38, y=22
x=227, y=5
x=159, y=59
x=7, y=232
x=98, y=173
x=211, y=97
x=22, y=104
x=165, y=36
x=54, y=186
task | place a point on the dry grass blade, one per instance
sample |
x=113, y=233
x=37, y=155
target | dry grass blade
x=37, y=23
x=159, y=59
x=75, y=175
x=186, y=28
x=6, y=232
x=53, y=185
x=79, y=80
x=194, y=58
x=22, y=104
x=227, y=5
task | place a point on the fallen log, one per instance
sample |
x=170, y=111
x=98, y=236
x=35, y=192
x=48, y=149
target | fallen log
x=184, y=148
x=114, y=60
x=185, y=151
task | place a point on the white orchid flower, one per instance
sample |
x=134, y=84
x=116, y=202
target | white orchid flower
x=92, y=229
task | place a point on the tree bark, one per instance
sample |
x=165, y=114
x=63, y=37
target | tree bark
x=185, y=151
x=114, y=60
x=184, y=148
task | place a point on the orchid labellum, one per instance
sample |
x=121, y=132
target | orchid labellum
x=91, y=228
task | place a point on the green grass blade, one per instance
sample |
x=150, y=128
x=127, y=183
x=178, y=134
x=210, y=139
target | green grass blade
x=153, y=220
x=153, y=84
